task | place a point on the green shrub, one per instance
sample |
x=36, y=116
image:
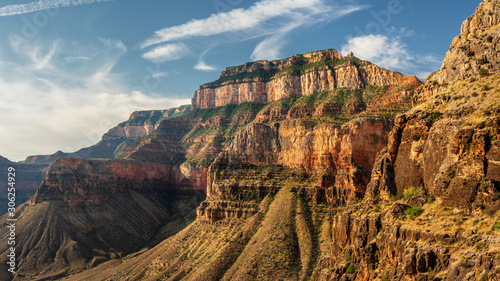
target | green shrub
x=413, y=212
x=409, y=192
x=435, y=115
x=496, y=196
x=350, y=269
x=431, y=199
x=497, y=225
x=348, y=258
x=483, y=73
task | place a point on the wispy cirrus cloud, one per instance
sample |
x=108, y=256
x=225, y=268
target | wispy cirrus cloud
x=203, y=66
x=19, y=9
x=166, y=53
x=271, y=20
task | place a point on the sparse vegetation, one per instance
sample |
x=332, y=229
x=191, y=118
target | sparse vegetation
x=413, y=212
x=348, y=258
x=435, y=115
x=350, y=269
x=484, y=73
x=409, y=192
x=482, y=61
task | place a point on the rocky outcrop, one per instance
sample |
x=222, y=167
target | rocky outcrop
x=300, y=75
x=473, y=53
x=383, y=245
x=448, y=144
x=475, y=49
x=340, y=159
x=79, y=181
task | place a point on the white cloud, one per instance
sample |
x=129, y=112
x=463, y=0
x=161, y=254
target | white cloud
x=235, y=20
x=19, y=9
x=204, y=67
x=390, y=53
x=270, y=48
x=159, y=74
x=271, y=19
x=65, y=107
x=80, y=58
x=166, y=52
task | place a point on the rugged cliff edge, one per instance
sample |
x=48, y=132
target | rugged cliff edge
x=297, y=76
x=448, y=143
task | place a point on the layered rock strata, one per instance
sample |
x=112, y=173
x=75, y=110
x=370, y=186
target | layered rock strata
x=299, y=75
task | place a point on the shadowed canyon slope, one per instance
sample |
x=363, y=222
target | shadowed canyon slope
x=315, y=167
x=89, y=211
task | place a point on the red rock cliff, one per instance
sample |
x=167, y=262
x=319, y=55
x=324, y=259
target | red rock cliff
x=340, y=159
x=297, y=76
x=80, y=180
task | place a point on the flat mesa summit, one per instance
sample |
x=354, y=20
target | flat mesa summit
x=315, y=167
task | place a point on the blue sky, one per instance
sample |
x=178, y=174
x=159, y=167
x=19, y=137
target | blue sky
x=72, y=69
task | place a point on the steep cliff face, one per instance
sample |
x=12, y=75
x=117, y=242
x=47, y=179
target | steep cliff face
x=90, y=211
x=475, y=50
x=77, y=180
x=448, y=144
x=339, y=160
x=379, y=242
x=300, y=75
